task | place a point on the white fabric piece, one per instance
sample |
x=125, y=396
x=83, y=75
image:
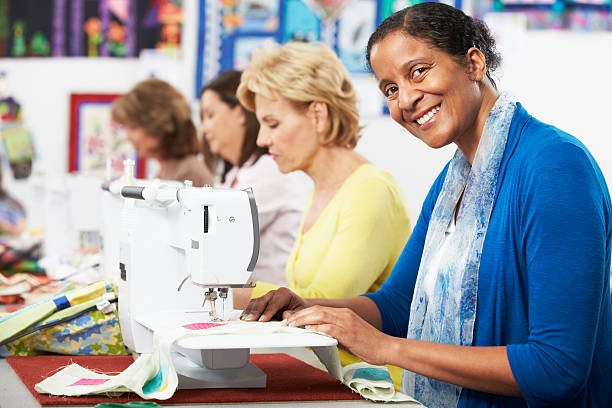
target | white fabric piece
x=154, y=376
x=151, y=375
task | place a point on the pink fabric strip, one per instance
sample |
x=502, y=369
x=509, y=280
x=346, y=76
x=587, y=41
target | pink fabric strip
x=202, y=326
x=90, y=381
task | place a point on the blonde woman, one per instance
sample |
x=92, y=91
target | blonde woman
x=355, y=224
x=230, y=132
x=158, y=121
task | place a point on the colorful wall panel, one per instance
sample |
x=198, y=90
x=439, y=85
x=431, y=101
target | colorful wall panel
x=92, y=28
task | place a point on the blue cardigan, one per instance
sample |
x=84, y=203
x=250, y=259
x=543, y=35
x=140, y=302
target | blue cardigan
x=544, y=283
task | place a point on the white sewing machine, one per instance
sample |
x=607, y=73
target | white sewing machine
x=205, y=240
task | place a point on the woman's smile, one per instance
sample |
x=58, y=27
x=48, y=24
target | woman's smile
x=424, y=120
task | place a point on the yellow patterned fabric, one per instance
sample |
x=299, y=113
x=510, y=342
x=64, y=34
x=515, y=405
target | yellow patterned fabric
x=92, y=333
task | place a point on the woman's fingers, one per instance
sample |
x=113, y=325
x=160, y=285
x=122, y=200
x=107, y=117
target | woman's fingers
x=268, y=306
x=315, y=315
x=351, y=331
x=326, y=328
x=280, y=300
x=256, y=307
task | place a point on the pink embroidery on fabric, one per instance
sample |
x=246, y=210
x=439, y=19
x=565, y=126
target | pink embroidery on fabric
x=202, y=326
x=90, y=381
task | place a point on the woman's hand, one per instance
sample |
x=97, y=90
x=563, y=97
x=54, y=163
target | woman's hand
x=351, y=331
x=278, y=304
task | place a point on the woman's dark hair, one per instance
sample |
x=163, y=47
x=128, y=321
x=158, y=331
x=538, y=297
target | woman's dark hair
x=225, y=86
x=161, y=111
x=445, y=28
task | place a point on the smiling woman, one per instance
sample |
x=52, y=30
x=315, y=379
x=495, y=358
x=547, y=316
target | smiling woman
x=417, y=70
x=501, y=296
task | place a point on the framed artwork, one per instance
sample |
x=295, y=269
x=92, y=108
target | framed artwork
x=94, y=138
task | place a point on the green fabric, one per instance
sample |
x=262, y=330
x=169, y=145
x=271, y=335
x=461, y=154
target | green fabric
x=94, y=333
x=131, y=404
x=72, y=310
x=24, y=320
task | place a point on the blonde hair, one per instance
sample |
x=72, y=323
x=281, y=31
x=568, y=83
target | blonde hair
x=303, y=73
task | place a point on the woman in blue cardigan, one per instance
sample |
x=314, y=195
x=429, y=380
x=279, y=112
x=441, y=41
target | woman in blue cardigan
x=501, y=296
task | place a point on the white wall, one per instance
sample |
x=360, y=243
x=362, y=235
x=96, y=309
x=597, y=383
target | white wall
x=564, y=78
x=413, y=164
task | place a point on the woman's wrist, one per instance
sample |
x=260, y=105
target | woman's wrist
x=390, y=348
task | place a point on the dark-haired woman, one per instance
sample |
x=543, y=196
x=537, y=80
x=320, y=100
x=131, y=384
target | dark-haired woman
x=158, y=122
x=231, y=133
x=501, y=297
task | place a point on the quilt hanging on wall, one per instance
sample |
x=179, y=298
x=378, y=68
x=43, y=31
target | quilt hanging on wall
x=229, y=30
x=576, y=15
x=88, y=28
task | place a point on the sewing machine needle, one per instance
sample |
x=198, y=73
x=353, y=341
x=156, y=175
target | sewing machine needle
x=213, y=312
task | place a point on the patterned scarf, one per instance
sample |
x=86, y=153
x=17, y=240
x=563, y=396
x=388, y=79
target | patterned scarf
x=443, y=307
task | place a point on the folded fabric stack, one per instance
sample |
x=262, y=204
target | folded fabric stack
x=373, y=383
x=78, y=321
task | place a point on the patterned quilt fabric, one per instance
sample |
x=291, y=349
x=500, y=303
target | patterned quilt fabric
x=81, y=332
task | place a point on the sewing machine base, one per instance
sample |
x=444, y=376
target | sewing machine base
x=194, y=376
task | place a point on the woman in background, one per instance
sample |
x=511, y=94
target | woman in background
x=158, y=122
x=230, y=131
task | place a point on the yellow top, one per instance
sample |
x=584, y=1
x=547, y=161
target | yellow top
x=353, y=245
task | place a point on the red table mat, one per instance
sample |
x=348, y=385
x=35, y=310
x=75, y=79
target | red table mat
x=289, y=379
